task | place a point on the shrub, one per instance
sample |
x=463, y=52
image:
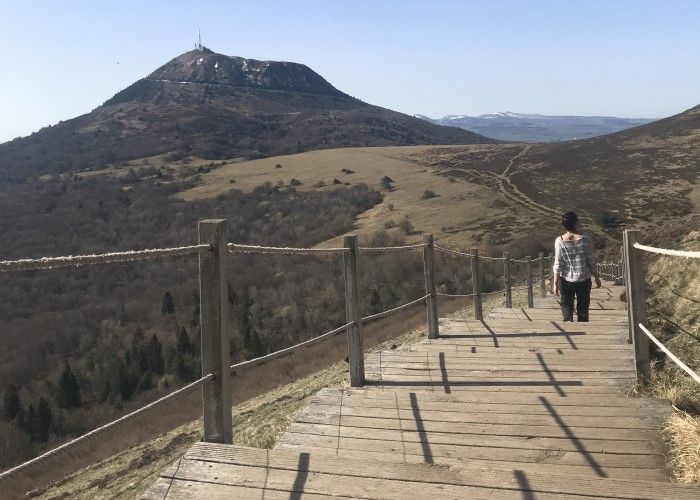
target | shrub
x=389, y=224
x=347, y=171
x=319, y=184
x=295, y=182
x=232, y=181
x=406, y=226
x=336, y=181
x=278, y=166
x=427, y=194
x=386, y=183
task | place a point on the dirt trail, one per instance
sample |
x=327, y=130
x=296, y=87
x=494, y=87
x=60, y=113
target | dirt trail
x=512, y=192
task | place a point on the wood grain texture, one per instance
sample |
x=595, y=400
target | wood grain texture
x=517, y=405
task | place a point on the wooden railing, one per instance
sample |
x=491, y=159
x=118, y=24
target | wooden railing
x=213, y=250
x=639, y=334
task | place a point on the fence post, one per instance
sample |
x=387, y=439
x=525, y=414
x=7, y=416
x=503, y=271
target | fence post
x=215, y=343
x=528, y=270
x=543, y=289
x=352, y=312
x=636, y=304
x=506, y=279
x=429, y=275
x=476, y=284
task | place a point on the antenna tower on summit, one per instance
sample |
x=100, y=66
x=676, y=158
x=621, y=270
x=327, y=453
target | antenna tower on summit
x=199, y=46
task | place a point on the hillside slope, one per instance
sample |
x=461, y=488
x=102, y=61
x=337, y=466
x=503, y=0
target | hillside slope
x=214, y=106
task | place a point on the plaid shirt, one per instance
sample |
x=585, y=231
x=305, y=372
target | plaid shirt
x=574, y=260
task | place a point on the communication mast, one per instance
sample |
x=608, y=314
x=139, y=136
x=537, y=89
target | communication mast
x=199, y=46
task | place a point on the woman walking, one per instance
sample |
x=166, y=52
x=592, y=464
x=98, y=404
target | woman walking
x=574, y=264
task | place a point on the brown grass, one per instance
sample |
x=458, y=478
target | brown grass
x=682, y=432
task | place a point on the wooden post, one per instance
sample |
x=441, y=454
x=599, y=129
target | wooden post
x=636, y=304
x=429, y=275
x=543, y=289
x=215, y=344
x=506, y=279
x=352, y=313
x=476, y=284
x=528, y=270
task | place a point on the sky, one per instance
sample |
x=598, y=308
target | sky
x=613, y=58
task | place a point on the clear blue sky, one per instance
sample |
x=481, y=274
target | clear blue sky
x=624, y=58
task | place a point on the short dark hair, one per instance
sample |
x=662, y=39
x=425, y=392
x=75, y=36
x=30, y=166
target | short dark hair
x=569, y=221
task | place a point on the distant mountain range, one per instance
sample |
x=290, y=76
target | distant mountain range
x=215, y=106
x=517, y=127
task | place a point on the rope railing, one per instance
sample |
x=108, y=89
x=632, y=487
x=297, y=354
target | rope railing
x=105, y=258
x=244, y=365
x=177, y=393
x=456, y=295
x=383, y=314
x=672, y=356
x=399, y=248
x=453, y=252
x=664, y=251
x=634, y=280
x=239, y=248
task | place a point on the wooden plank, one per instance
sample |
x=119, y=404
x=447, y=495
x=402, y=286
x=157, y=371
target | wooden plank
x=432, y=452
x=485, y=428
x=534, y=406
x=562, y=442
x=566, y=474
x=624, y=422
x=371, y=393
x=423, y=479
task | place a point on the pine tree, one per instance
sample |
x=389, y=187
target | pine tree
x=375, y=301
x=183, y=342
x=124, y=380
x=11, y=403
x=68, y=389
x=29, y=422
x=168, y=306
x=154, y=355
x=43, y=419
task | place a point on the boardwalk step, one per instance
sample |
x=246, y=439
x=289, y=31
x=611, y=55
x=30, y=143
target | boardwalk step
x=219, y=471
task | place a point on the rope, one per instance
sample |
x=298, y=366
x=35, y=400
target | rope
x=453, y=252
x=84, y=260
x=157, y=402
x=494, y=293
x=455, y=295
x=391, y=249
x=395, y=309
x=673, y=357
x=485, y=257
x=664, y=251
x=283, y=352
x=235, y=247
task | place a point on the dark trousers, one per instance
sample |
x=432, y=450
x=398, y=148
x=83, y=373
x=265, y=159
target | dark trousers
x=582, y=292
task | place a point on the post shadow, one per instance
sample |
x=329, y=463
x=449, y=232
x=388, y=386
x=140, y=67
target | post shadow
x=302, y=473
x=526, y=314
x=550, y=375
x=567, y=335
x=524, y=485
x=443, y=371
x=577, y=442
x=493, y=335
x=422, y=435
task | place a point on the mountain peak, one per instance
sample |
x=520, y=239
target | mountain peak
x=208, y=67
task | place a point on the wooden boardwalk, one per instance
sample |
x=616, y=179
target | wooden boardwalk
x=519, y=405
